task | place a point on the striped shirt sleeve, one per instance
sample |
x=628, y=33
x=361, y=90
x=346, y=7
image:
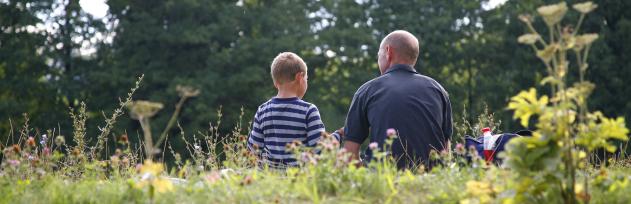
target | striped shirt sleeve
x=256, y=136
x=315, y=127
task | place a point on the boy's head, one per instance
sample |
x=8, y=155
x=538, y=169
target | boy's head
x=289, y=73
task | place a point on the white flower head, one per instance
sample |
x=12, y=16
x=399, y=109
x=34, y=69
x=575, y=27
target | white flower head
x=552, y=14
x=585, y=7
x=528, y=39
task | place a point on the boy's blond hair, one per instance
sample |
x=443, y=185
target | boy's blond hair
x=285, y=67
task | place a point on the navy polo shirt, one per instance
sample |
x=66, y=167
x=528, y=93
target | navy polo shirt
x=416, y=106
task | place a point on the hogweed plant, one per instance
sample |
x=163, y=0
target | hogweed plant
x=565, y=130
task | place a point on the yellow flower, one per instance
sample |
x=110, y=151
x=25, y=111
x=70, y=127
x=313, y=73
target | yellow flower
x=585, y=7
x=478, y=192
x=162, y=185
x=151, y=168
x=553, y=14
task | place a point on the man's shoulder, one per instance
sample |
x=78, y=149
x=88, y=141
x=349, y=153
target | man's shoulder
x=433, y=83
x=369, y=84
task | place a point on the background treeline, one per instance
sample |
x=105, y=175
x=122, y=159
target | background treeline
x=53, y=55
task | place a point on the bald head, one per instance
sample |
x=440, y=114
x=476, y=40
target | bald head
x=404, y=45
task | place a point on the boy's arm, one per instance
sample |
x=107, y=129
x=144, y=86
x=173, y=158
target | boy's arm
x=338, y=134
x=256, y=140
x=315, y=127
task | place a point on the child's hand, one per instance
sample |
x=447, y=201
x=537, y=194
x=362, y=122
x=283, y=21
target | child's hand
x=340, y=132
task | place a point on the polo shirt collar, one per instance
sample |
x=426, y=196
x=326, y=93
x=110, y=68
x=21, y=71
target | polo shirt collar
x=401, y=67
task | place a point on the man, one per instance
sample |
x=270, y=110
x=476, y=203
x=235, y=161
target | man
x=414, y=105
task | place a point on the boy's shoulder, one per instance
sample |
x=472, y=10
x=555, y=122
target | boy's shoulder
x=296, y=103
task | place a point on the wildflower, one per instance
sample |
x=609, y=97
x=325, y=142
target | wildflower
x=17, y=149
x=31, y=141
x=14, y=162
x=528, y=39
x=144, y=109
x=309, y=157
x=586, y=39
x=547, y=53
x=373, y=146
x=186, y=91
x=43, y=141
x=391, y=132
x=151, y=168
x=460, y=149
x=114, y=160
x=585, y=7
x=479, y=190
x=59, y=140
x=293, y=145
x=197, y=147
x=76, y=152
x=124, y=139
x=526, y=18
x=125, y=161
x=552, y=14
x=433, y=155
x=335, y=143
x=46, y=151
x=247, y=180
x=444, y=153
x=213, y=177
x=162, y=185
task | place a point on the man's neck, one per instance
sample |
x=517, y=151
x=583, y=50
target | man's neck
x=394, y=64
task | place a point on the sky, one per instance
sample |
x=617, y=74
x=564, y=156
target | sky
x=98, y=8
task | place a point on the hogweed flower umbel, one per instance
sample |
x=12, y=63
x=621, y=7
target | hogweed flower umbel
x=552, y=14
x=585, y=7
x=144, y=109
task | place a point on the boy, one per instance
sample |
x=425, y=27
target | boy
x=285, y=118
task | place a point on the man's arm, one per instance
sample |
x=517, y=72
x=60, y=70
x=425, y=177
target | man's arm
x=353, y=148
x=357, y=125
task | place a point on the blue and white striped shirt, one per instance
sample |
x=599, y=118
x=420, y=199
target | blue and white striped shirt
x=280, y=121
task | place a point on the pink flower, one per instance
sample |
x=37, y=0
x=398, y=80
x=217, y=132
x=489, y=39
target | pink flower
x=14, y=162
x=213, y=177
x=373, y=145
x=460, y=149
x=46, y=151
x=391, y=132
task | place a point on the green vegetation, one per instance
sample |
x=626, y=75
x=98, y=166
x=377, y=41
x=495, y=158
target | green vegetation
x=216, y=54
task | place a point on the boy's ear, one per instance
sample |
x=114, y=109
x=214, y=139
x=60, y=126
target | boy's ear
x=299, y=76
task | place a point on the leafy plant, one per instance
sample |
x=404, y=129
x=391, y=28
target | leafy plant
x=565, y=131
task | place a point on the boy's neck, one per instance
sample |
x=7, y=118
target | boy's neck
x=286, y=94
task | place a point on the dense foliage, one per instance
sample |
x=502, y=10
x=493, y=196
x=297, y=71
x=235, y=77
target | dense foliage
x=224, y=48
x=195, y=56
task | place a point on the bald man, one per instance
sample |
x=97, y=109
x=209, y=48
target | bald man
x=415, y=106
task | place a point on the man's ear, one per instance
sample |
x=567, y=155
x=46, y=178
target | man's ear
x=389, y=53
